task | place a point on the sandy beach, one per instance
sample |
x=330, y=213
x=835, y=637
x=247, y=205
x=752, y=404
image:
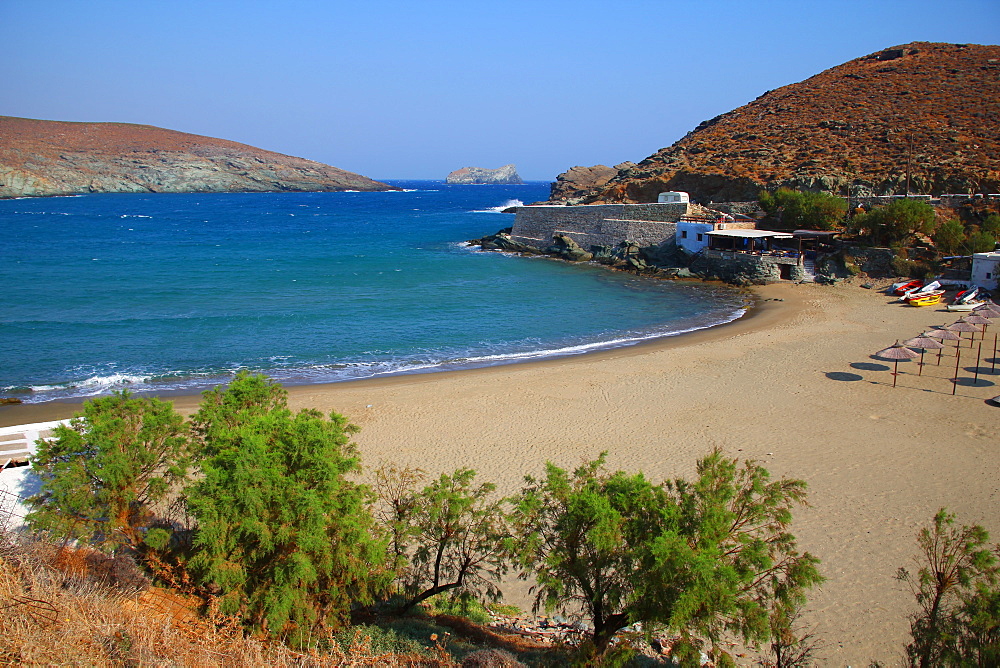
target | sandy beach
x=793, y=385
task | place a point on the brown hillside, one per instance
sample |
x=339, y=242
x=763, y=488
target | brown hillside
x=59, y=158
x=851, y=124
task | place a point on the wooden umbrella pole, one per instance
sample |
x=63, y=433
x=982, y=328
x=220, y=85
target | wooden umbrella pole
x=895, y=367
x=979, y=354
x=920, y=365
x=994, y=352
x=958, y=357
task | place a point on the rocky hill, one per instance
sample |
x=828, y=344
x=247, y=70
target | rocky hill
x=505, y=175
x=60, y=158
x=934, y=107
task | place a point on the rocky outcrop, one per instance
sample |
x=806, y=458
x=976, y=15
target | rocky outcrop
x=40, y=158
x=578, y=181
x=930, y=106
x=506, y=175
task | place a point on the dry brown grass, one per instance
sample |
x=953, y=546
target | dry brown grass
x=63, y=606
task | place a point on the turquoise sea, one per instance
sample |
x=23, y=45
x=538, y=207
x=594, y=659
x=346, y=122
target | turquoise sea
x=174, y=292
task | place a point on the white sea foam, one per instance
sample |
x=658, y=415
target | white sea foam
x=499, y=209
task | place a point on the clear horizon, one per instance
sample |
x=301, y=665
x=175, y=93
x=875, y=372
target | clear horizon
x=399, y=91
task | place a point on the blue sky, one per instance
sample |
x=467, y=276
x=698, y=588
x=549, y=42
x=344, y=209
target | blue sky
x=397, y=90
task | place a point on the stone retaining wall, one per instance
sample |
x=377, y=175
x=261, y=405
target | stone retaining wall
x=598, y=224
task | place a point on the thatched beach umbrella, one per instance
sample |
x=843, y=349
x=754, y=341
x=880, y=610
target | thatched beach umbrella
x=976, y=319
x=961, y=326
x=896, y=352
x=989, y=310
x=944, y=335
x=924, y=343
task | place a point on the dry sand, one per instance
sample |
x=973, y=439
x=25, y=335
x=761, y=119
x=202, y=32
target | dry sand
x=793, y=386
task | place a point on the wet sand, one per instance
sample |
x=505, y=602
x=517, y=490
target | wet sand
x=792, y=385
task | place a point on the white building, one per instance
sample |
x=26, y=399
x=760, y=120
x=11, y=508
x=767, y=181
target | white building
x=673, y=198
x=692, y=231
x=984, y=269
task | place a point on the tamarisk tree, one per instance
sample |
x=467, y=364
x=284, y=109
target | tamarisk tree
x=957, y=588
x=451, y=536
x=702, y=559
x=102, y=474
x=284, y=537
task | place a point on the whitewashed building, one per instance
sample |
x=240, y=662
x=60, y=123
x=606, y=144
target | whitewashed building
x=692, y=231
x=984, y=269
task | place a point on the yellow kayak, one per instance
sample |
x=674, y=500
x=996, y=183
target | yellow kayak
x=928, y=300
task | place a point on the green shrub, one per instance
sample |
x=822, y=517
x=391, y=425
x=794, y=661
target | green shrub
x=368, y=639
x=283, y=534
x=463, y=605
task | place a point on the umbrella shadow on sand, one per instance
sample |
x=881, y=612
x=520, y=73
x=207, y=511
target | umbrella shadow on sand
x=972, y=382
x=843, y=376
x=868, y=366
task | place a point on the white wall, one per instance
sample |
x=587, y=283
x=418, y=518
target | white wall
x=687, y=235
x=984, y=269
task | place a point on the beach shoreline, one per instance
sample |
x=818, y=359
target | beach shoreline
x=793, y=385
x=185, y=402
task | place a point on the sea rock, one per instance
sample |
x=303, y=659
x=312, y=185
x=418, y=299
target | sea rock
x=577, y=181
x=39, y=158
x=506, y=175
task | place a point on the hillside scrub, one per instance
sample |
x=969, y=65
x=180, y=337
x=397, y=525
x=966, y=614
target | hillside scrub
x=803, y=209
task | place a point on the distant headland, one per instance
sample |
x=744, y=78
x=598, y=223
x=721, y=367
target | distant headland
x=505, y=175
x=44, y=158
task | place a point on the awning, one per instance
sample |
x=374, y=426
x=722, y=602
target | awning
x=750, y=234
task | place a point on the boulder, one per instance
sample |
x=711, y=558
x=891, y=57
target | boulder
x=564, y=247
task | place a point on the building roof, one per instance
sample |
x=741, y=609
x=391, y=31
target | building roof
x=750, y=234
x=814, y=233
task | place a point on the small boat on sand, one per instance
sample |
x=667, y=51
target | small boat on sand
x=903, y=288
x=967, y=306
x=926, y=300
x=969, y=294
x=923, y=291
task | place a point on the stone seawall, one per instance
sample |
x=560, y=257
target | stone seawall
x=598, y=224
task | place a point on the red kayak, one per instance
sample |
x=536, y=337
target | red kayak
x=906, y=287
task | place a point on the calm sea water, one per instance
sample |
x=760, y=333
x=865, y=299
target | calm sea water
x=172, y=293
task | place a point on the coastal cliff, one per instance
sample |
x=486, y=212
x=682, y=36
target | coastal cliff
x=506, y=175
x=929, y=110
x=39, y=158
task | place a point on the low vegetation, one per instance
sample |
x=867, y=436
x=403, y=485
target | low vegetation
x=290, y=560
